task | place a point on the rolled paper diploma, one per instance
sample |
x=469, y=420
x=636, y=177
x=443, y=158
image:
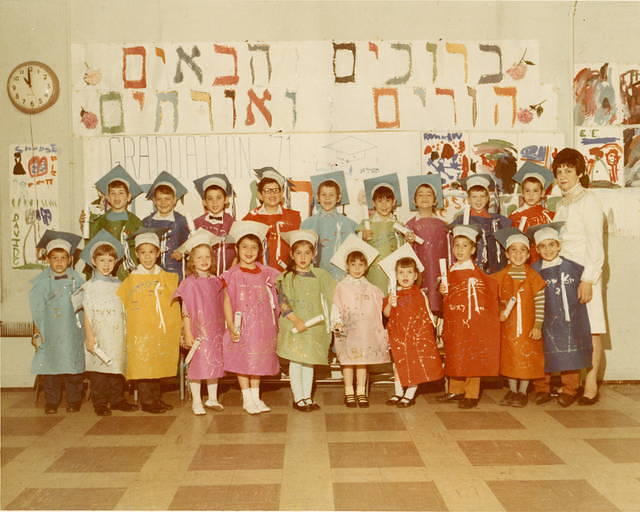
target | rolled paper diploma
x=310, y=323
x=192, y=351
x=467, y=214
x=102, y=356
x=85, y=224
x=443, y=272
x=190, y=223
x=237, y=323
x=367, y=222
x=523, y=223
x=405, y=231
x=509, y=307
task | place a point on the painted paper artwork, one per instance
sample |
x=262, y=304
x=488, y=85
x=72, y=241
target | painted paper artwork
x=446, y=154
x=603, y=149
x=33, y=199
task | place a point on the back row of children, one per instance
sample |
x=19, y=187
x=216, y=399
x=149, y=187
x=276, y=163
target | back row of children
x=268, y=314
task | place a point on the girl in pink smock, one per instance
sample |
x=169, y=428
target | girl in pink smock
x=251, y=311
x=202, y=295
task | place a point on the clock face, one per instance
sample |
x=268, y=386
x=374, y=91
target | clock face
x=33, y=87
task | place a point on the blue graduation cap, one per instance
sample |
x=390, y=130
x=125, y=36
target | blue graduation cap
x=550, y=231
x=538, y=172
x=118, y=173
x=103, y=237
x=336, y=177
x=511, y=235
x=210, y=180
x=470, y=231
x=389, y=181
x=59, y=240
x=152, y=236
x=483, y=180
x=430, y=180
x=164, y=178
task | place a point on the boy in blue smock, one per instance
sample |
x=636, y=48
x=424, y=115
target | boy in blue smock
x=58, y=333
x=332, y=227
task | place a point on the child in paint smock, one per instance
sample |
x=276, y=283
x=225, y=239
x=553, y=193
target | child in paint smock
x=251, y=311
x=306, y=294
x=356, y=318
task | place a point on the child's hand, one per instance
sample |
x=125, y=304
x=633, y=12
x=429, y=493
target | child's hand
x=338, y=328
x=536, y=333
x=235, y=335
x=299, y=325
x=443, y=289
x=503, y=316
x=393, y=300
x=367, y=234
x=37, y=340
x=90, y=343
x=585, y=292
x=175, y=255
x=186, y=342
x=410, y=237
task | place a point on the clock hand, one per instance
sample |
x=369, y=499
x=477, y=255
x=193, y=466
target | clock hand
x=29, y=75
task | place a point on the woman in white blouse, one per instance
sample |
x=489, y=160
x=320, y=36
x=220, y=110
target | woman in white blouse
x=581, y=240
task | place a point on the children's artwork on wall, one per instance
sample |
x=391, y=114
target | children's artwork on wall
x=33, y=193
x=631, y=140
x=446, y=154
x=604, y=153
x=496, y=154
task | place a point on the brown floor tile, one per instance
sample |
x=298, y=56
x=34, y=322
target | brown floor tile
x=240, y=423
x=336, y=396
x=370, y=454
x=238, y=456
x=387, y=496
x=549, y=495
x=227, y=497
x=593, y=418
x=131, y=425
x=104, y=498
x=7, y=454
x=629, y=390
x=508, y=453
x=618, y=450
x=363, y=421
x=28, y=426
x=102, y=459
x=478, y=420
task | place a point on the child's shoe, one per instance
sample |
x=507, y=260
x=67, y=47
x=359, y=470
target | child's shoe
x=102, y=410
x=565, y=399
x=508, y=399
x=406, y=402
x=73, y=406
x=198, y=409
x=520, y=400
x=363, y=401
x=125, y=406
x=262, y=407
x=350, y=401
x=302, y=406
x=393, y=400
x=153, y=408
x=214, y=405
x=449, y=397
x=50, y=409
x=313, y=406
x=543, y=397
x=468, y=403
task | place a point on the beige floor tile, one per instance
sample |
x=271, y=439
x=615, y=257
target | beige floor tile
x=363, y=421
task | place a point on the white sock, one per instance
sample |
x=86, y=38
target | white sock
x=410, y=392
x=397, y=388
x=194, y=386
x=212, y=390
x=307, y=380
x=255, y=394
x=295, y=380
x=247, y=399
x=524, y=384
x=513, y=385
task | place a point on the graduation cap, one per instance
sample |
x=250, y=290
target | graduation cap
x=118, y=174
x=270, y=172
x=210, y=180
x=338, y=178
x=550, y=231
x=164, y=178
x=242, y=228
x=431, y=180
x=388, y=264
x=299, y=235
x=103, y=237
x=388, y=180
x=508, y=236
x=198, y=237
x=470, y=231
x=59, y=240
x=151, y=236
x=535, y=171
x=483, y=180
x=351, y=244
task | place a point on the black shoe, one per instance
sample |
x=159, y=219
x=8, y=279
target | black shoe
x=363, y=401
x=73, y=406
x=520, y=400
x=102, y=410
x=301, y=406
x=543, y=398
x=50, y=409
x=583, y=400
x=350, y=401
x=393, y=400
x=508, y=399
x=406, y=402
x=565, y=399
x=125, y=406
x=449, y=397
x=164, y=404
x=313, y=406
x=468, y=403
x=153, y=408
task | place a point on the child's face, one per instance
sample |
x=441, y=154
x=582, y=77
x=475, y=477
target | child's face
x=271, y=195
x=303, y=256
x=248, y=251
x=328, y=198
x=406, y=276
x=549, y=249
x=518, y=254
x=463, y=249
x=478, y=199
x=201, y=257
x=384, y=206
x=147, y=255
x=214, y=200
x=104, y=264
x=118, y=198
x=164, y=202
x=425, y=199
x=59, y=260
x=566, y=177
x=532, y=192
x=356, y=268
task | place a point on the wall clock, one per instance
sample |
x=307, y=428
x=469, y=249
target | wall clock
x=33, y=87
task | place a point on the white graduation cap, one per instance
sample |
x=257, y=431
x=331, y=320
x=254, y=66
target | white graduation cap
x=470, y=231
x=478, y=180
x=510, y=235
x=541, y=232
x=535, y=171
x=59, y=240
x=151, y=236
x=297, y=235
x=199, y=237
x=242, y=228
x=351, y=244
x=103, y=237
x=388, y=264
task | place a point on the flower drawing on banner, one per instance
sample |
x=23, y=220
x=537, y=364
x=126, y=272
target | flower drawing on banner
x=88, y=119
x=92, y=76
x=525, y=115
x=519, y=69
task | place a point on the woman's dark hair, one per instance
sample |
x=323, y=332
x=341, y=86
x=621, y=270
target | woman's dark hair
x=570, y=157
